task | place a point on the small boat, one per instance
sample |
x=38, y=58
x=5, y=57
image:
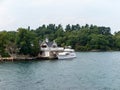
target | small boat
x=67, y=54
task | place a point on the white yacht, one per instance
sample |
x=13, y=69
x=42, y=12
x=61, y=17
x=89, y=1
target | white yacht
x=67, y=54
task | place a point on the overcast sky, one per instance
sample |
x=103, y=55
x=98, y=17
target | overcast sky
x=23, y=13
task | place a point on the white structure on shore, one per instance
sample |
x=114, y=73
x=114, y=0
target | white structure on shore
x=50, y=49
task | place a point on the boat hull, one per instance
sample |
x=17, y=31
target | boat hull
x=69, y=56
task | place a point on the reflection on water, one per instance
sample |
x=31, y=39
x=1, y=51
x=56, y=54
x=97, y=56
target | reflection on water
x=89, y=71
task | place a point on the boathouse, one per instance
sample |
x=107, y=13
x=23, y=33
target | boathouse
x=50, y=49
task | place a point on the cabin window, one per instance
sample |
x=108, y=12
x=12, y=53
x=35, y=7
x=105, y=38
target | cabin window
x=44, y=46
x=54, y=46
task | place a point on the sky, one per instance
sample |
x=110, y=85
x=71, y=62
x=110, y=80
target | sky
x=34, y=13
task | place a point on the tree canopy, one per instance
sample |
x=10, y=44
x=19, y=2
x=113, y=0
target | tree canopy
x=82, y=38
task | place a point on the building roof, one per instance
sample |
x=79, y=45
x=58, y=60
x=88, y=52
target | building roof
x=49, y=44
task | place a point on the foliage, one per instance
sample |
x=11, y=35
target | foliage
x=27, y=42
x=81, y=38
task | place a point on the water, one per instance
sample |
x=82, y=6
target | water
x=89, y=71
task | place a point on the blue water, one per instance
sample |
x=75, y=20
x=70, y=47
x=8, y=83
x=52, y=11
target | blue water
x=89, y=71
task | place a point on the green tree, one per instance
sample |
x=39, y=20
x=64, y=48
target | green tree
x=3, y=42
x=27, y=42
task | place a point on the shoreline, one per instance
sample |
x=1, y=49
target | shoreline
x=26, y=59
x=38, y=58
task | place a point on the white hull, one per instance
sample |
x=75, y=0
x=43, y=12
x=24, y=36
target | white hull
x=66, y=57
x=67, y=54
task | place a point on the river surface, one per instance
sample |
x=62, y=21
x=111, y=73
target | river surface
x=89, y=71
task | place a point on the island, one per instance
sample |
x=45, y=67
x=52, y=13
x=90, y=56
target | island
x=25, y=43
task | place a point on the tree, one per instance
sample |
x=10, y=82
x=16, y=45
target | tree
x=26, y=42
x=68, y=28
x=3, y=42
